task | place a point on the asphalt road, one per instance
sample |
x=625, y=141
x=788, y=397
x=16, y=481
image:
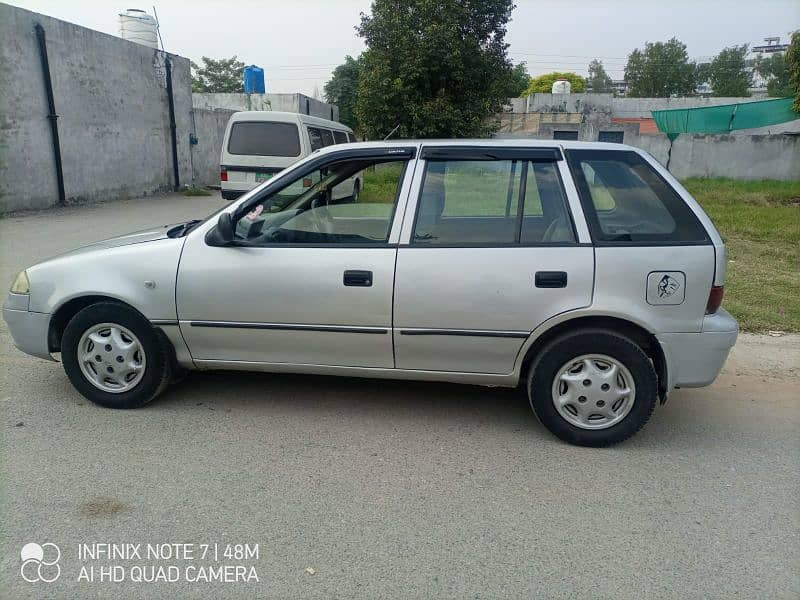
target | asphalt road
x=374, y=489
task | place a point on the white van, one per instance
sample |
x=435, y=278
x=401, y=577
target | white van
x=259, y=144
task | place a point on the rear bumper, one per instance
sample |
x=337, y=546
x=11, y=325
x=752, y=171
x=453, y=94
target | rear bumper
x=29, y=330
x=695, y=359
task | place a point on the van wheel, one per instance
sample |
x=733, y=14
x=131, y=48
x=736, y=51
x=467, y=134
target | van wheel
x=593, y=388
x=356, y=190
x=114, y=357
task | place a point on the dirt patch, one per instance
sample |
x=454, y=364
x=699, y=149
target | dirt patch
x=102, y=507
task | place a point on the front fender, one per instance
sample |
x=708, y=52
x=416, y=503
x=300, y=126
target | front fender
x=142, y=275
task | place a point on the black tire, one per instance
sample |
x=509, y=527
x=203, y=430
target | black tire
x=596, y=341
x=157, y=372
x=230, y=194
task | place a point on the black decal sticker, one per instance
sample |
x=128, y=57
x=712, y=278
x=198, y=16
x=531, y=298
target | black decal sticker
x=667, y=286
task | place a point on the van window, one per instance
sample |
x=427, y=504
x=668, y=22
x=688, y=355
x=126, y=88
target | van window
x=477, y=202
x=263, y=138
x=340, y=137
x=315, y=137
x=327, y=137
x=626, y=200
x=351, y=138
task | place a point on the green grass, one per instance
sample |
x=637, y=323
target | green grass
x=380, y=184
x=195, y=191
x=760, y=223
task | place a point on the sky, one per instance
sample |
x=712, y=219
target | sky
x=299, y=43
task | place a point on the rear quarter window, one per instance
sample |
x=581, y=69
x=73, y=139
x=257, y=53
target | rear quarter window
x=340, y=137
x=258, y=138
x=627, y=201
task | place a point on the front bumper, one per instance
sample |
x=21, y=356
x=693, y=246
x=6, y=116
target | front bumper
x=28, y=329
x=695, y=359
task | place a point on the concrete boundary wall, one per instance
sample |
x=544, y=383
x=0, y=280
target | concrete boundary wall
x=209, y=126
x=749, y=157
x=111, y=100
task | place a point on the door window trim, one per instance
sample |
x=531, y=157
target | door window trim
x=489, y=153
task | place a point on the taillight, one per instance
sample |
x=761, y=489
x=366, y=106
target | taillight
x=714, y=299
x=223, y=175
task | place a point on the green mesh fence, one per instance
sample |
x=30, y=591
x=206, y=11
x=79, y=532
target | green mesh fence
x=724, y=118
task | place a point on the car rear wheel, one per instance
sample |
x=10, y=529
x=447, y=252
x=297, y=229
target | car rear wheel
x=592, y=387
x=114, y=357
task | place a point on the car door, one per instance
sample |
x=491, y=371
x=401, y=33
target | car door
x=488, y=252
x=307, y=281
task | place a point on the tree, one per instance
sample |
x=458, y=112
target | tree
x=728, y=73
x=661, y=70
x=793, y=63
x=518, y=81
x=775, y=70
x=432, y=68
x=216, y=76
x=544, y=83
x=342, y=88
x=599, y=81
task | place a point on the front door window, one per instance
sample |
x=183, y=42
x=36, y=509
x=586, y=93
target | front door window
x=311, y=210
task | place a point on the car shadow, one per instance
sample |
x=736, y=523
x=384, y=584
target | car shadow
x=310, y=394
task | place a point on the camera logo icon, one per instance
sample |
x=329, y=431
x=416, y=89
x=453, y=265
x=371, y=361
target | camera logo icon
x=40, y=563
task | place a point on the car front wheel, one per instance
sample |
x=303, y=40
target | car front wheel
x=593, y=387
x=114, y=357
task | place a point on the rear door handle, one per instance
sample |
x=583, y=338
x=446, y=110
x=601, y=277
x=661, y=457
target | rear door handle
x=550, y=279
x=358, y=278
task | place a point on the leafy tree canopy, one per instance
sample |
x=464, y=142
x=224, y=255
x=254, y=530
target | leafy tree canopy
x=544, y=83
x=793, y=64
x=775, y=69
x=728, y=74
x=342, y=88
x=518, y=81
x=218, y=76
x=661, y=70
x=433, y=68
x=598, y=81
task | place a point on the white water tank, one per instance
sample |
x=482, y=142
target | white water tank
x=135, y=25
x=561, y=86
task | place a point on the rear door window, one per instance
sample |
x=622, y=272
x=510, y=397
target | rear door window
x=492, y=202
x=351, y=138
x=258, y=138
x=315, y=137
x=340, y=137
x=627, y=201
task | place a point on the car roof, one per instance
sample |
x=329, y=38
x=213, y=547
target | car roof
x=490, y=143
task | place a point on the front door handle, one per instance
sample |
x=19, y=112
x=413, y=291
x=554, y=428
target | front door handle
x=550, y=279
x=358, y=278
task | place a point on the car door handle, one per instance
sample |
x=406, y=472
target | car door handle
x=550, y=279
x=358, y=278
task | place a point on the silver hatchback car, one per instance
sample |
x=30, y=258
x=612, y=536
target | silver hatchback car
x=583, y=271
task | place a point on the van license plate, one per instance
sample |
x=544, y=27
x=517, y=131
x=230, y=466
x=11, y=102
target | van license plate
x=263, y=177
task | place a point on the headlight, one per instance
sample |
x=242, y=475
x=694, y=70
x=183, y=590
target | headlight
x=21, y=284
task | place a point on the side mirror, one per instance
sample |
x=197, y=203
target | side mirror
x=222, y=234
